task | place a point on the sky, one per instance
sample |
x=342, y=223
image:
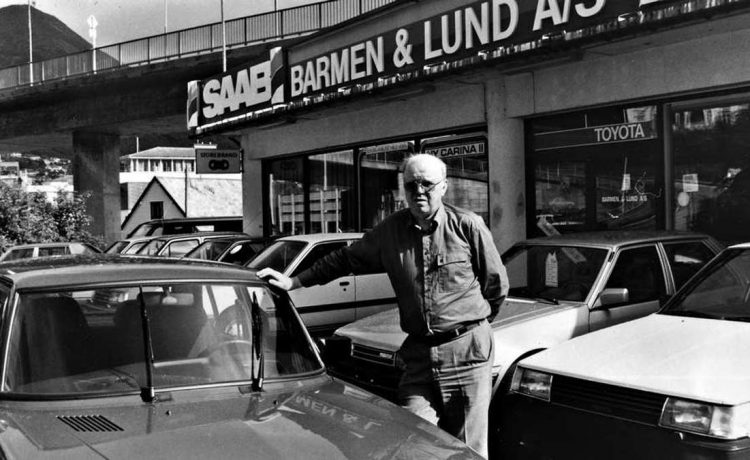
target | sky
x=123, y=20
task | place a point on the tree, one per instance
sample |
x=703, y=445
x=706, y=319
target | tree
x=31, y=218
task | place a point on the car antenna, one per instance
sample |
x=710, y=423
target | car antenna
x=148, y=393
x=257, y=349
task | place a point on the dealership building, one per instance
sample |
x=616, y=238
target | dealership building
x=552, y=116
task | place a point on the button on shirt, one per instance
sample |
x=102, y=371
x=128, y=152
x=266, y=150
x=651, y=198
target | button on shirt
x=443, y=277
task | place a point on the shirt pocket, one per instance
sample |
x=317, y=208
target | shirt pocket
x=454, y=272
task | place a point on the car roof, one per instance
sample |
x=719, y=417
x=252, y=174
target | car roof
x=616, y=238
x=213, y=235
x=45, y=272
x=317, y=237
x=46, y=245
x=192, y=219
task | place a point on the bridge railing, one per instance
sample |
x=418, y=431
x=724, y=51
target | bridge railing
x=199, y=40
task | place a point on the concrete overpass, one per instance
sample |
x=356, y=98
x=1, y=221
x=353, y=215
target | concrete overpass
x=86, y=114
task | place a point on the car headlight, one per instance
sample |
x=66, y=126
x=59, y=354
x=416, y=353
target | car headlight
x=532, y=383
x=725, y=422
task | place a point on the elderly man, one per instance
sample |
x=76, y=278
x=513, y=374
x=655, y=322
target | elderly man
x=449, y=280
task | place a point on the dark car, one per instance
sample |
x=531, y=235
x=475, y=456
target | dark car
x=179, y=245
x=173, y=226
x=238, y=249
x=191, y=359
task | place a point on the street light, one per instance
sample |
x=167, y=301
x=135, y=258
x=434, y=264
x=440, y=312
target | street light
x=31, y=54
x=92, y=33
x=223, y=40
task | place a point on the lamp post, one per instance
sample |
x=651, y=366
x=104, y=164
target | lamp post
x=92, y=33
x=223, y=40
x=31, y=54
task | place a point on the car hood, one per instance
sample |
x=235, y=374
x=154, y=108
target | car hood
x=693, y=358
x=331, y=420
x=383, y=330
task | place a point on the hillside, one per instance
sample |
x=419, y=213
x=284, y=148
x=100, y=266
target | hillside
x=51, y=38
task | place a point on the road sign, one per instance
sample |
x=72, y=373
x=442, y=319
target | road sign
x=213, y=161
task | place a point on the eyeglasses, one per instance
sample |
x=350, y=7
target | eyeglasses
x=427, y=186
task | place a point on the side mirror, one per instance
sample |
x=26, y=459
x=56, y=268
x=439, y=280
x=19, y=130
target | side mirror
x=613, y=296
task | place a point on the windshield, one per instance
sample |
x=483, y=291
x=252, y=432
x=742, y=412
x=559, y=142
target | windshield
x=116, y=247
x=242, y=252
x=553, y=272
x=208, y=250
x=721, y=291
x=92, y=341
x=277, y=256
x=145, y=229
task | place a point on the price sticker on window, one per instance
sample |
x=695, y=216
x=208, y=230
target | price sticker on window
x=550, y=270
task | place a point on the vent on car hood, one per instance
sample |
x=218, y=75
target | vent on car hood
x=89, y=423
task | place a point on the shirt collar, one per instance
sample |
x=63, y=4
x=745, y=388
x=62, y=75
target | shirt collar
x=437, y=220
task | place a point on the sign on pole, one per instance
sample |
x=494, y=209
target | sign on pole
x=214, y=161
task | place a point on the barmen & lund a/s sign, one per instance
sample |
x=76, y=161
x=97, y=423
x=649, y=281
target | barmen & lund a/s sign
x=213, y=161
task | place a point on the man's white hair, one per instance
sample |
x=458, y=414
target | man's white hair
x=427, y=158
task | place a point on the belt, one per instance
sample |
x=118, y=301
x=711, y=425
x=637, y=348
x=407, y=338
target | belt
x=446, y=336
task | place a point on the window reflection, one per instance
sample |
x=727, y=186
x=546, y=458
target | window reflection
x=711, y=175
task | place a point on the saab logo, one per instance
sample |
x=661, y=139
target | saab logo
x=214, y=161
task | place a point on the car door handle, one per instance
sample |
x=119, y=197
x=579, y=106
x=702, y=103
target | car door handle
x=344, y=283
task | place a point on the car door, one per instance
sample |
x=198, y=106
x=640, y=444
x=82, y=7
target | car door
x=374, y=293
x=325, y=307
x=640, y=271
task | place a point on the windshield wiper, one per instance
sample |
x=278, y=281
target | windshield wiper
x=148, y=393
x=257, y=349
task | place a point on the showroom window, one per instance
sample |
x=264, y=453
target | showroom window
x=356, y=188
x=596, y=170
x=711, y=173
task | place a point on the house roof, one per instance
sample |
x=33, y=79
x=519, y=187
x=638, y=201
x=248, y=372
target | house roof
x=206, y=196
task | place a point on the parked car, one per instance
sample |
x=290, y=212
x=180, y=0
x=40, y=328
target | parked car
x=26, y=251
x=128, y=245
x=193, y=359
x=675, y=384
x=236, y=250
x=343, y=300
x=560, y=287
x=179, y=245
x=158, y=227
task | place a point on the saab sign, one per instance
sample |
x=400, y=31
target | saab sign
x=213, y=161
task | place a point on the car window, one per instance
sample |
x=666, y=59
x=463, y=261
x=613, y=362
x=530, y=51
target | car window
x=92, y=341
x=152, y=247
x=277, y=256
x=208, y=250
x=53, y=251
x=318, y=252
x=241, y=253
x=116, y=247
x=686, y=258
x=552, y=271
x=22, y=253
x=639, y=270
x=179, y=248
x=721, y=291
x=135, y=247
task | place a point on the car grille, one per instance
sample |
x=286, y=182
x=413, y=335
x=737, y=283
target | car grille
x=610, y=400
x=374, y=355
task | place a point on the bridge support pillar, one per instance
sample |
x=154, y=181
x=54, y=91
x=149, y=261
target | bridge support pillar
x=96, y=169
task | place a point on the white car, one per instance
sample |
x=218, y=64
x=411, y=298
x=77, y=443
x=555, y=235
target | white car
x=675, y=384
x=33, y=250
x=323, y=308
